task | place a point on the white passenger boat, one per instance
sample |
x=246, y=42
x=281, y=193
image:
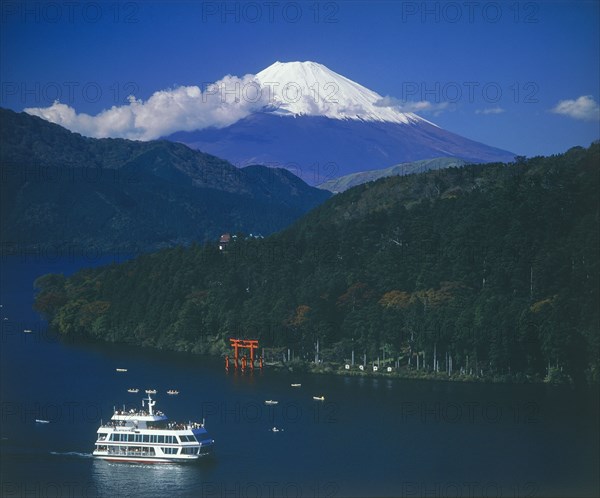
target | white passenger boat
x=271, y=402
x=132, y=390
x=121, y=369
x=150, y=391
x=173, y=392
x=147, y=436
x=319, y=398
x=296, y=385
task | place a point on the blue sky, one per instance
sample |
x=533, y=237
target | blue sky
x=522, y=76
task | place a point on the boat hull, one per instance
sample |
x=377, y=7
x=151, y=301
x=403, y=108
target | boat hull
x=146, y=460
x=150, y=459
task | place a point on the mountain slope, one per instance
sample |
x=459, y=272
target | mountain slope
x=322, y=148
x=495, y=267
x=61, y=189
x=326, y=126
x=345, y=182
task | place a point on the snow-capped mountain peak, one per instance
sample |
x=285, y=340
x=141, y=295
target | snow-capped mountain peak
x=312, y=89
x=322, y=125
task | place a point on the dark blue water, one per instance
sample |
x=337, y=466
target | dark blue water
x=371, y=437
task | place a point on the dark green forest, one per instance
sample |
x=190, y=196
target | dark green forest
x=60, y=191
x=484, y=271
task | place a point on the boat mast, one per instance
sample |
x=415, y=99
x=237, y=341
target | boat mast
x=151, y=404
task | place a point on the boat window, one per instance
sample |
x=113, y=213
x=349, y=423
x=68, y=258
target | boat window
x=131, y=438
x=138, y=438
x=161, y=439
x=146, y=438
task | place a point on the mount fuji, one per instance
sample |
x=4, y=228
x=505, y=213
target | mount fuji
x=322, y=125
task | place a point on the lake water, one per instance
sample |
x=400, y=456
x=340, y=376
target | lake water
x=371, y=437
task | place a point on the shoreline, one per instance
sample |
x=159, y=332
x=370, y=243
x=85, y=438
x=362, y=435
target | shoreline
x=300, y=366
x=413, y=374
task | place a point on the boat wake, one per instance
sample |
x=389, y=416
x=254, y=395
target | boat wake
x=72, y=454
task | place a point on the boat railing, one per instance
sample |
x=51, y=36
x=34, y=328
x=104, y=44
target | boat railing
x=138, y=413
x=171, y=426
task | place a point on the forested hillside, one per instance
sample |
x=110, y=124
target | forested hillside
x=64, y=192
x=487, y=270
x=343, y=183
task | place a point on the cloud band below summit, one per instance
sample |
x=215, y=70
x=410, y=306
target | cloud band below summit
x=167, y=111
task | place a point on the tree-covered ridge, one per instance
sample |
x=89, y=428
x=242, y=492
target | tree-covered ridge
x=344, y=183
x=481, y=270
x=60, y=189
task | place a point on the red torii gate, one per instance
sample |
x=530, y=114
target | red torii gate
x=236, y=344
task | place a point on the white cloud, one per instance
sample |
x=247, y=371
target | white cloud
x=183, y=108
x=584, y=108
x=490, y=110
x=421, y=106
